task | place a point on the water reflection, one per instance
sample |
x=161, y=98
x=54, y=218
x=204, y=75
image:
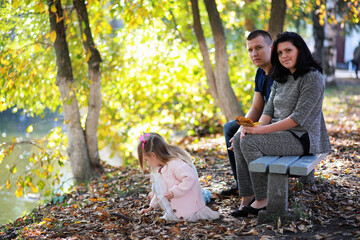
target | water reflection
x=14, y=125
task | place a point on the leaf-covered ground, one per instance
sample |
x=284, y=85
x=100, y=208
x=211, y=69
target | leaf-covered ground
x=108, y=208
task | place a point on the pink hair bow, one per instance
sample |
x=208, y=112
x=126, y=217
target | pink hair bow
x=142, y=139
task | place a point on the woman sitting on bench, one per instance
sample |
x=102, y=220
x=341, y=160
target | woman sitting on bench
x=292, y=122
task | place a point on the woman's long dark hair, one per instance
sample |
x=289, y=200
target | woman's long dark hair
x=304, y=63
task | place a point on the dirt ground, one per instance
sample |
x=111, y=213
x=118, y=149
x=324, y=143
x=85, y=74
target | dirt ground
x=108, y=208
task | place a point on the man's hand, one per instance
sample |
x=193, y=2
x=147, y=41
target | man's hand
x=169, y=195
x=231, y=148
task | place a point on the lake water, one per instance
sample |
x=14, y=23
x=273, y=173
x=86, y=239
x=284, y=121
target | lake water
x=14, y=125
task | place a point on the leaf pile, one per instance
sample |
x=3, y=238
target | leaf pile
x=108, y=208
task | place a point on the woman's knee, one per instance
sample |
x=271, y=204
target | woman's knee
x=248, y=142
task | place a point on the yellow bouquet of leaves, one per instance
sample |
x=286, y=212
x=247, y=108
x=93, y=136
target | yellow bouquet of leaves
x=246, y=122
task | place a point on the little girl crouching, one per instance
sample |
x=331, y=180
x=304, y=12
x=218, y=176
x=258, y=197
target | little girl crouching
x=175, y=185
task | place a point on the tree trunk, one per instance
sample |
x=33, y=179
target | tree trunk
x=319, y=34
x=77, y=150
x=277, y=17
x=330, y=44
x=94, y=106
x=218, y=80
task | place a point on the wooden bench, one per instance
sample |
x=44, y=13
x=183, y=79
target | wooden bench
x=279, y=169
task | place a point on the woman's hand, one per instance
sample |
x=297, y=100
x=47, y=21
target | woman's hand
x=253, y=130
x=146, y=210
x=169, y=195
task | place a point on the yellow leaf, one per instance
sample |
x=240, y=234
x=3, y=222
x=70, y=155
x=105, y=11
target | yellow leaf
x=5, y=62
x=53, y=8
x=41, y=6
x=2, y=106
x=84, y=37
x=33, y=188
x=8, y=184
x=88, y=56
x=58, y=19
x=29, y=129
x=19, y=192
x=14, y=140
x=13, y=169
x=50, y=168
x=53, y=36
x=37, y=47
x=15, y=4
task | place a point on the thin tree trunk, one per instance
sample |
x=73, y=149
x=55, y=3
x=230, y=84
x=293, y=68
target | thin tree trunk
x=277, y=17
x=94, y=104
x=329, y=53
x=218, y=80
x=204, y=51
x=77, y=151
x=231, y=106
x=319, y=35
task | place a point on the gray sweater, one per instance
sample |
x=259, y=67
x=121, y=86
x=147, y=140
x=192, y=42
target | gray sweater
x=301, y=99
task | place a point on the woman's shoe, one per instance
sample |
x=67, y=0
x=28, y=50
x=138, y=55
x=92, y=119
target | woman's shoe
x=253, y=211
x=241, y=212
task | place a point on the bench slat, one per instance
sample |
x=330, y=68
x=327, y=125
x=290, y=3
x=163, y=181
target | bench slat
x=282, y=165
x=306, y=164
x=262, y=163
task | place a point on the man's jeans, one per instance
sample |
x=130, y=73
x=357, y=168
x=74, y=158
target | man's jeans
x=230, y=128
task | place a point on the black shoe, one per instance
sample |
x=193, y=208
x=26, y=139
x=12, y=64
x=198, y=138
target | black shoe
x=243, y=212
x=253, y=211
x=230, y=192
x=240, y=213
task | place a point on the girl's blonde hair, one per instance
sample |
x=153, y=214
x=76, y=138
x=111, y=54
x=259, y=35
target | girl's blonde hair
x=153, y=142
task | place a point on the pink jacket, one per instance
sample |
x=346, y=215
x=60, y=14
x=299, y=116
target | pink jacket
x=181, y=179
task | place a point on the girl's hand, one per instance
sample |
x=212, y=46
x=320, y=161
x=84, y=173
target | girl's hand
x=150, y=196
x=169, y=195
x=146, y=210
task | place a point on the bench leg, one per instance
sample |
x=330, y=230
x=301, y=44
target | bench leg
x=308, y=179
x=277, y=197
